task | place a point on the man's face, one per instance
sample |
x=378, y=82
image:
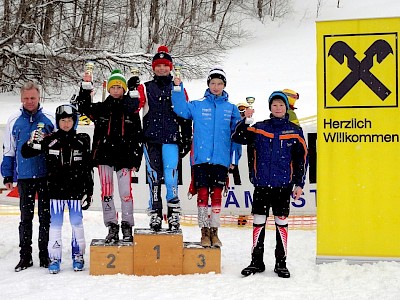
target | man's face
x=30, y=100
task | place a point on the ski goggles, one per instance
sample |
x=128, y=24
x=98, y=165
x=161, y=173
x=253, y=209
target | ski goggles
x=242, y=109
x=66, y=109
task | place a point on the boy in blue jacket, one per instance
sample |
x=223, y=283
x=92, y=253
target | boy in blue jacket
x=279, y=163
x=214, y=119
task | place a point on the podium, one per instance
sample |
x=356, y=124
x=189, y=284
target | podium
x=109, y=259
x=153, y=253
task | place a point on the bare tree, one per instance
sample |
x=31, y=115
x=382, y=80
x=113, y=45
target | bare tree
x=50, y=40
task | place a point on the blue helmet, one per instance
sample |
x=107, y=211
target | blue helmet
x=278, y=95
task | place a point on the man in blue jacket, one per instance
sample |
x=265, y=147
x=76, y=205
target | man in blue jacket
x=30, y=173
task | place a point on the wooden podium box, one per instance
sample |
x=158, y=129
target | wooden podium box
x=109, y=259
x=197, y=259
x=157, y=253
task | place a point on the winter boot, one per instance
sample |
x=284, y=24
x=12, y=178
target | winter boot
x=24, y=263
x=78, y=262
x=126, y=232
x=156, y=219
x=205, y=237
x=112, y=236
x=54, y=266
x=174, y=211
x=214, y=237
x=44, y=262
x=257, y=263
x=280, y=268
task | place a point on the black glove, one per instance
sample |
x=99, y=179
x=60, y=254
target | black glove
x=133, y=83
x=7, y=179
x=86, y=201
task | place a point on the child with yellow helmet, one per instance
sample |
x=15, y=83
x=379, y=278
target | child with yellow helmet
x=292, y=97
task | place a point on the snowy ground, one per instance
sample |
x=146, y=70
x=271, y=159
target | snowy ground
x=308, y=281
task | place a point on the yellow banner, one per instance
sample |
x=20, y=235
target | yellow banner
x=358, y=140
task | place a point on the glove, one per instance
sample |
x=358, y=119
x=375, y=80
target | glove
x=36, y=137
x=86, y=201
x=133, y=83
x=7, y=179
x=87, y=85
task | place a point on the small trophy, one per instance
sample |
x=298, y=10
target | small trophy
x=36, y=143
x=134, y=81
x=250, y=101
x=134, y=70
x=178, y=68
x=88, y=85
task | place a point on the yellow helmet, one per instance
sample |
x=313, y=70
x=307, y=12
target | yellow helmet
x=292, y=97
x=84, y=120
x=242, y=106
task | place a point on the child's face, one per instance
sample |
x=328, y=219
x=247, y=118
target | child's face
x=66, y=124
x=278, y=108
x=116, y=91
x=216, y=86
x=162, y=70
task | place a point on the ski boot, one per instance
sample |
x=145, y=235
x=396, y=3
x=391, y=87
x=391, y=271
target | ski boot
x=24, y=263
x=205, y=240
x=280, y=268
x=155, y=219
x=215, y=241
x=257, y=262
x=54, y=266
x=174, y=211
x=126, y=232
x=112, y=236
x=78, y=262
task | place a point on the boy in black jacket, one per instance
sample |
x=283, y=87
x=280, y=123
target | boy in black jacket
x=69, y=180
x=117, y=146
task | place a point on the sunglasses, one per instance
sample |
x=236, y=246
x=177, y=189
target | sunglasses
x=294, y=96
x=66, y=109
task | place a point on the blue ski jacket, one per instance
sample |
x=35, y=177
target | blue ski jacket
x=214, y=120
x=17, y=132
x=279, y=152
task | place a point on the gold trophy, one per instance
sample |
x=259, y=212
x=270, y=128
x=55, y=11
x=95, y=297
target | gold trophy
x=88, y=85
x=250, y=101
x=134, y=70
x=178, y=68
x=134, y=81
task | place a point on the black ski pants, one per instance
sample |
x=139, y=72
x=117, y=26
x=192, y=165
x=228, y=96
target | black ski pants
x=27, y=189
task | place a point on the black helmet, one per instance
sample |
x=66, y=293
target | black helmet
x=67, y=110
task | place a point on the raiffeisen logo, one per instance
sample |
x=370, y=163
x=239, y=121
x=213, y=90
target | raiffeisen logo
x=360, y=70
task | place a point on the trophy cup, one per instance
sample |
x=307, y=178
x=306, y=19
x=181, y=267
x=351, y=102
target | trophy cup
x=134, y=70
x=134, y=81
x=36, y=143
x=250, y=101
x=178, y=68
x=88, y=85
